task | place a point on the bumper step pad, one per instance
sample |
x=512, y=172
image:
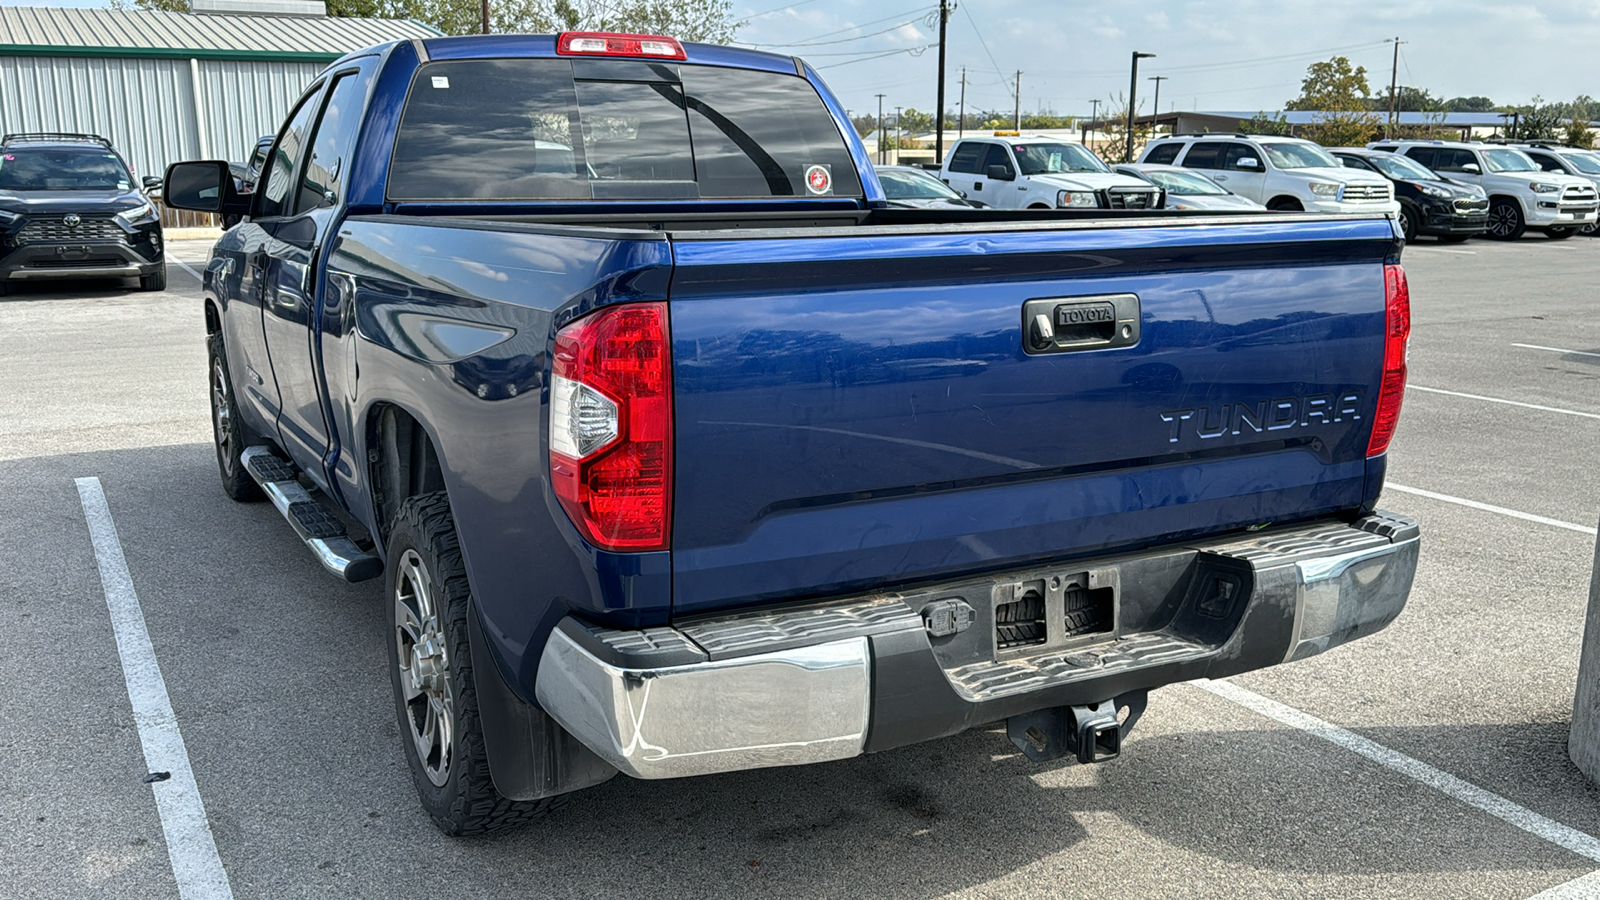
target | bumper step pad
x=322, y=531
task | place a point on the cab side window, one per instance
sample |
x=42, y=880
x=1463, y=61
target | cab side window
x=998, y=156
x=966, y=157
x=1426, y=156
x=1163, y=154
x=1547, y=162
x=284, y=156
x=331, y=146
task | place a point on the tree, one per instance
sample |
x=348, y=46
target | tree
x=1406, y=99
x=1262, y=123
x=1578, y=134
x=1114, y=125
x=1470, y=104
x=690, y=20
x=1340, y=98
x=1536, y=121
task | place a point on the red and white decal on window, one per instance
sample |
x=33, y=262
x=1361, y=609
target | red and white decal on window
x=819, y=180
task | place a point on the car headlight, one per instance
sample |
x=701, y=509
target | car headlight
x=8, y=219
x=1076, y=199
x=1322, y=189
x=139, y=215
x=1539, y=188
x=1430, y=191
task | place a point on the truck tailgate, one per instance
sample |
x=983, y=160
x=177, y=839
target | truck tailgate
x=857, y=408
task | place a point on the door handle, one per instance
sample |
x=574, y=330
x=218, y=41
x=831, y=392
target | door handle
x=1219, y=178
x=977, y=185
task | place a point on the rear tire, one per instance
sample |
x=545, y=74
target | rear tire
x=430, y=667
x=226, y=429
x=155, y=281
x=1559, y=234
x=1505, y=220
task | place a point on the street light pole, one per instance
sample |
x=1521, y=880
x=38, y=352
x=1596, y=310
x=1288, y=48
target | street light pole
x=1133, y=87
x=938, y=126
x=485, y=16
x=1158, y=79
x=1094, y=122
x=897, y=135
x=961, y=123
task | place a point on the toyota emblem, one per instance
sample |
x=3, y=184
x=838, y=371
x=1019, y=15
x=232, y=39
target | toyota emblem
x=72, y=220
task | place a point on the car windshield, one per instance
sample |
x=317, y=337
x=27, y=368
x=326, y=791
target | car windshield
x=62, y=170
x=1185, y=184
x=903, y=185
x=1299, y=156
x=1503, y=160
x=1401, y=167
x=1583, y=162
x=1046, y=159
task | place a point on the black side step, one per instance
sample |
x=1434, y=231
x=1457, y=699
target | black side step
x=322, y=531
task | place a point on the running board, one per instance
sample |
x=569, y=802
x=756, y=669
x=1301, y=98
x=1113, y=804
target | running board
x=321, y=530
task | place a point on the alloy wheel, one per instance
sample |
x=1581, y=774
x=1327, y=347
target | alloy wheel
x=1502, y=220
x=221, y=412
x=424, y=667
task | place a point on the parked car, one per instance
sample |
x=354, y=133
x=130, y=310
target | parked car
x=1429, y=203
x=725, y=463
x=1521, y=195
x=1010, y=171
x=1188, y=189
x=907, y=186
x=1569, y=160
x=69, y=208
x=1281, y=173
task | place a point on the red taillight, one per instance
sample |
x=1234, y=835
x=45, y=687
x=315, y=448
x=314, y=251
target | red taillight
x=1396, y=342
x=611, y=426
x=606, y=43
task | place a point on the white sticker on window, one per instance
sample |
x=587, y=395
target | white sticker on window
x=441, y=81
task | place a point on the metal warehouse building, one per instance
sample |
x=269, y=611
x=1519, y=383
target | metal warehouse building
x=168, y=86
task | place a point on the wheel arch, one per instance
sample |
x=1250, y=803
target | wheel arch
x=1283, y=201
x=403, y=461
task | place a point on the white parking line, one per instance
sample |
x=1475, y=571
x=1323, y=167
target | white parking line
x=1586, y=887
x=1557, y=350
x=1515, y=514
x=190, y=846
x=1554, y=409
x=186, y=267
x=1495, y=805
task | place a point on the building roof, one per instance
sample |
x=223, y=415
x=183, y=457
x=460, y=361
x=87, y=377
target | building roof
x=42, y=31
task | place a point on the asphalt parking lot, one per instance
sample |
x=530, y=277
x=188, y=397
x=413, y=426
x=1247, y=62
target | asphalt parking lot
x=1427, y=761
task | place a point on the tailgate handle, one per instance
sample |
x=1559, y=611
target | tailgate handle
x=1070, y=324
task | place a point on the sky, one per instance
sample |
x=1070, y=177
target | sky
x=1244, y=55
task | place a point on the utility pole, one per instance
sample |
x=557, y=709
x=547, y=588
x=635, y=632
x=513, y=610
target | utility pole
x=1133, y=87
x=938, y=124
x=961, y=124
x=881, y=157
x=485, y=16
x=1158, y=79
x=1018, y=113
x=897, y=135
x=1394, y=77
x=1093, y=122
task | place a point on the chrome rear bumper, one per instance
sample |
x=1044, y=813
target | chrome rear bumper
x=808, y=684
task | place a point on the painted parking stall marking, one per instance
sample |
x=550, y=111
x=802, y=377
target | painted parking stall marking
x=1465, y=396
x=1558, y=350
x=190, y=846
x=1487, y=507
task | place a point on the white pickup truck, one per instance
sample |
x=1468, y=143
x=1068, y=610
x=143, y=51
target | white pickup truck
x=1009, y=171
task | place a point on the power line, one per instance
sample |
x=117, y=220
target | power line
x=916, y=12
x=783, y=8
x=983, y=43
x=847, y=40
x=914, y=51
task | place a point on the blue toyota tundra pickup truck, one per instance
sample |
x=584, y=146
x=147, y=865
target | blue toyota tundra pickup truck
x=680, y=452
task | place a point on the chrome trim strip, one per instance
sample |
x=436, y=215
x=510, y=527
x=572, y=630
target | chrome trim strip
x=788, y=707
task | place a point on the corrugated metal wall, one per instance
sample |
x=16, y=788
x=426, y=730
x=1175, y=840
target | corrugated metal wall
x=147, y=106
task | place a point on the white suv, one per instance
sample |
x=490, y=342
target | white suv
x=1277, y=172
x=1009, y=171
x=1521, y=195
x=1569, y=160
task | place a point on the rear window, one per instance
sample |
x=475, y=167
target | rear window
x=1163, y=154
x=552, y=129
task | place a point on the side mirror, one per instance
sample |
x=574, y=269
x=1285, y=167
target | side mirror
x=1250, y=164
x=1471, y=168
x=203, y=187
x=1001, y=173
x=152, y=183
